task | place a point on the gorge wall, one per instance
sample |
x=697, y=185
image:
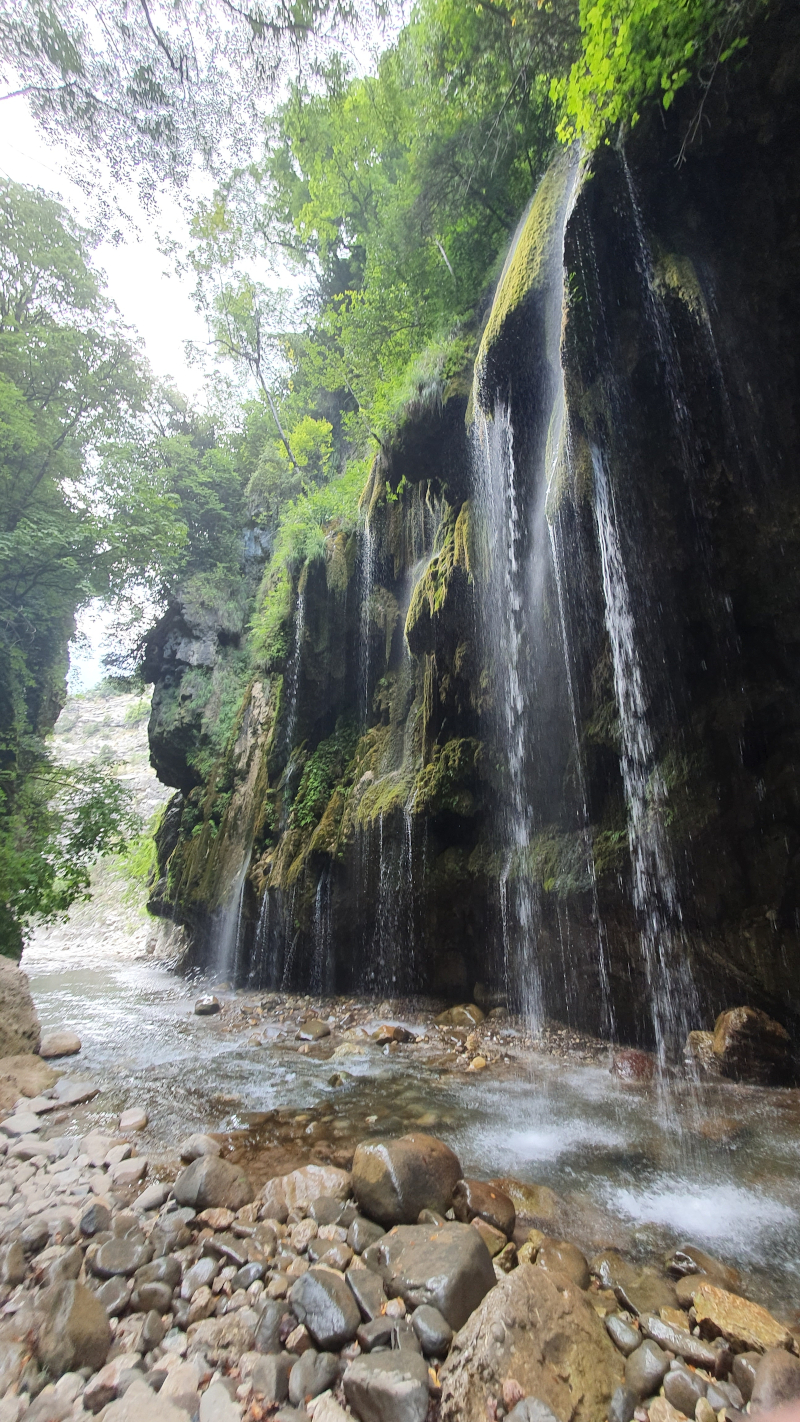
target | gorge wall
x=536, y=723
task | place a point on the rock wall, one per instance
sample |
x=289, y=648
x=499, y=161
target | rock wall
x=351, y=834
x=20, y=1032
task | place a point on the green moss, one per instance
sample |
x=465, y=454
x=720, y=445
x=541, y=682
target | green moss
x=676, y=274
x=326, y=766
x=448, y=782
x=387, y=795
x=527, y=268
x=431, y=591
x=573, y=476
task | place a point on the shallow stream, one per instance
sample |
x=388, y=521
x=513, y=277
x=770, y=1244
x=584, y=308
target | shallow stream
x=632, y=1169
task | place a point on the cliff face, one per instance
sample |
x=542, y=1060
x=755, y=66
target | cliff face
x=537, y=725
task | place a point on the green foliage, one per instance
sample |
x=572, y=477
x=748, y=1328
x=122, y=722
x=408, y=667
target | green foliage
x=54, y=822
x=639, y=50
x=324, y=769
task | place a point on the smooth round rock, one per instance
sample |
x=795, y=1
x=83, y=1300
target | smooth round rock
x=207, y=1006
x=312, y=1374
x=777, y=1380
x=59, y=1044
x=623, y=1404
x=95, y=1220
x=115, y=1295
x=557, y=1256
x=683, y=1388
x=323, y=1301
x=135, y=1118
x=475, y=1198
x=196, y=1145
x=623, y=1334
x=209, y=1182
x=394, y=1179
x=432, y=1329
x=646, y=1368
x=120, y=1256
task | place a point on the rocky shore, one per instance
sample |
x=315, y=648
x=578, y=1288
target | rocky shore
x=393, y=1291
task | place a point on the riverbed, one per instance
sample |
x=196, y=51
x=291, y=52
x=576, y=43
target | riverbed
x=631, y=1166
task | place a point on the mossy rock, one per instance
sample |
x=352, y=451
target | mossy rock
x=431, y=593
x=530, y=263
x=449, y=782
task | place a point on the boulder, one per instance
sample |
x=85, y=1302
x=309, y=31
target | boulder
x=699, y=1053
x=560, y=1257
x=466, y=1014
x=323, y=1301
x=447, y=1266
x=543, y=1332
x=196, y=1145
x=207, y=1006
x=777, y=1381
x=393, y=1180
x=121, y=1256
x=19, y=1025
x=473, y=1198
x=313, y=1031
x=742, y=1323
x=388, y=1387
x=59, y=1044
x=750, y=1046
x=312, y=1374
x=270, y=1376
x=75, y=1333
x=209, y=1182
x=300, y=1188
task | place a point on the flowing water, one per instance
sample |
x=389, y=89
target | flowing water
x=598, y=1143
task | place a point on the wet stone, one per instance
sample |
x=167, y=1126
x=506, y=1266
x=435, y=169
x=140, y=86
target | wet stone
x=724, y=1394
x=403, y=1336
x=153, y=1331
x=209, y=1182
x=268, y=1331
x=312, y=1374
x=394, y=1179
x=377, y=1333
x=368, y=1292
x=449, y=1268
x=160, y=1271
x=473, y=1198
x=156, y=1295
x=270, y=1376
x=559, y=1257
x=622, y=1405
x=645, y=1369
x=776, y=1380
x=326, y=1210
x=203, y=1273
x=743, y=1372
x=207, y=1006
x=313, y=1031
x=324, y=1303
x=432, y=1329
x=248, y=1275
x=682, y=1388
x=623, y=1334
x=388, y=1387
x=362, y=1233
x=531, y=1409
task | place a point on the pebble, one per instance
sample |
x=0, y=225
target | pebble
x=207, y=1006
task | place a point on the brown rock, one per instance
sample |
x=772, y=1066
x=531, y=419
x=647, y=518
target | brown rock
x=699, y=1052
x=494, y=1239
x=688, y=1259
x=750, y=1046
x=541, y=1331
x=25, y=1075
x=393, y=1180
x=744, y=1324
x=210, y=1182
x=629, y=1065
x=75, y=1333
x=534, y=1202
x=224, y=1340
x=465, y=1015
x=477, y=1197
x=638, y=1288
x=559, y=1257
x=19, y=1025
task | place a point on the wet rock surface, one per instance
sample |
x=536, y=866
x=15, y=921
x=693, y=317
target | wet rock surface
x=394, y=1180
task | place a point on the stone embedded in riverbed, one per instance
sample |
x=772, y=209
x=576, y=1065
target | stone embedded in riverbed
x=322, y=1300
x=394, y=1180
x=135, y=1118
x=638, y=1288
x=447, y=1266
x=477, y=1197
x=742, y=1323
x=207, y=1006
x=209, y=1182
x=196, y=1145
x=300, y=1188
x=59, y=1044
x=466, y=1014
x=543, y=1332
x=313, y=1031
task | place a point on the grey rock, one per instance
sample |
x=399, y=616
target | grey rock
x=716, y=1358
x=71, y=1092
x=312, y=1374
x=776, y=1380
x=248, y=1275
x=170, y=1233
x=20, y=1032
x=34, y=1237
x=682, y=1388
x=448, y=1267
x=268, y=1330
x=12, y=1264
x=201, y=1274
x=153, y=1331
x=622, y=1405
x=323, y=1301
x=474, y=1199
x=377, y=1333
x=233, y=1250
x=156, y=1295
x=388, y=1387
x=368, y=1291
x=403, y=1336
x=152, y=1198
x=95, y=1220
x=531, y=1409
x=432, y=1330
x=271, y=1376
x=120, y=1256
x=196, y=1145
x=165, y=1270
x=217, y=1405
x=362, y=1233
x=326, y=1210
x=646, y=1368
x=115, y=1295
x=394, y=1179
x=76, y=1332
x=724, y=1394
x=209, y=1183
x=620, y=1332
x=291, y=1414
x=743, y=1372
x=67, y=1266
x=59, y=1044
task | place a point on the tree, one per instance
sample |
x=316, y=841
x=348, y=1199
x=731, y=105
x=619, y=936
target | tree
x=70, y=381
x=155, y=87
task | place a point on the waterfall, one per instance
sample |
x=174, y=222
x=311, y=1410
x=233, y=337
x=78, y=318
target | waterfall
x=227, y=939
x=293, y=674
x=368, y=561
x=322, y=972
x=671, y=994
